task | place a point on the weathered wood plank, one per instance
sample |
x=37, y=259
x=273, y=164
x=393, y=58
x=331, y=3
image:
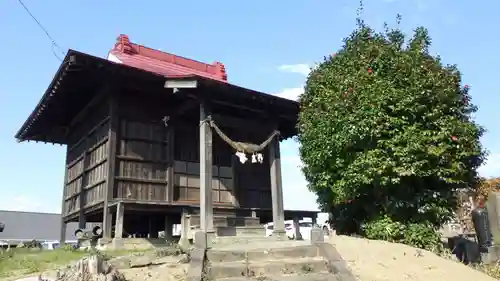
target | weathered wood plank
x=206, y=203
x=132, y=190
x=170, y=164
x=111, y=161
x=62, y=230
x=276, y=186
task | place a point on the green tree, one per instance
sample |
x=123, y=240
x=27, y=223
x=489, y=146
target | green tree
x=386, y=134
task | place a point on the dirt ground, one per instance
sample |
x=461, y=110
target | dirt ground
x=168, y=269
x=166, y=272
x=371, y=260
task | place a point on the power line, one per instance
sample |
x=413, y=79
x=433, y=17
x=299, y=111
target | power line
x=54, y=43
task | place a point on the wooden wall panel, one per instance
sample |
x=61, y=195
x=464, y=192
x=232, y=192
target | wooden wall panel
x=74, y=187
x=143, y=150
x=254, y=183
x=142, y=170
x=187, y=148
x=94, y=194
x=187, y=168
x=86, y=159
x=141, y=191
x=187, y=183
x=71, y=205
x=96, y=174
x=142, y=161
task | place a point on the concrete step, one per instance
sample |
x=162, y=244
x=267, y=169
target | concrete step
x=224, y=241
x=303, y=251
x=251, y=238
x=294, y=277
x=267, y=268
x=224, y=231
x=225, y=221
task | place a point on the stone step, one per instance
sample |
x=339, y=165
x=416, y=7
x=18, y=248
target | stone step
x=257, y=231
x=303, y=251
x=222, y=241
x=236, y=231
x=225, y=221
x=267, y=268
x=295, y=277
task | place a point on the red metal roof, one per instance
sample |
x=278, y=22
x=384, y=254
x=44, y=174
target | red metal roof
x=163, y=63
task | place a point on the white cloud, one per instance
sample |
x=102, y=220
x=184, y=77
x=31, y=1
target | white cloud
x=301, y=68
x=291, y=93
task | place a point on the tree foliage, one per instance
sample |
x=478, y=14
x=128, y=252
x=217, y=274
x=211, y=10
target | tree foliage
x=487, y=185
x=386, y=131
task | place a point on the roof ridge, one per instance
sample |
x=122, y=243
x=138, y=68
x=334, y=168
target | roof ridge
x=124, y=45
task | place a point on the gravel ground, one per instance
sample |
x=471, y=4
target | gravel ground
x=371, y=260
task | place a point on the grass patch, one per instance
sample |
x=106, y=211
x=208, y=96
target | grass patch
x=27, y=261
x=492, y=270
x=24, y=261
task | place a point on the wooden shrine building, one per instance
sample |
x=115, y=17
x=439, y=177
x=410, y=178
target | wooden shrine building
x=150, y=135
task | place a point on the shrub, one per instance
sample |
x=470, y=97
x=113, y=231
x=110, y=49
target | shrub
x=386, y=135
x=418, y=235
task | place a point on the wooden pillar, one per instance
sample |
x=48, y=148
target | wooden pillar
x=296, y=226
x=110, y=182
x=206, y=204
x=276, y=187
x=170, y=164
x=120, y=212
x=169, y=227
x=153, y=226
x=62, y=233
x=236, y=192
x=81, y=214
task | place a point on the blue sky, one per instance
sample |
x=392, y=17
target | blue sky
x=265, y=45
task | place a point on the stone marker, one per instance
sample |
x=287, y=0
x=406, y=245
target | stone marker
x=201, y=240
x=317, y=235
x=493, y=206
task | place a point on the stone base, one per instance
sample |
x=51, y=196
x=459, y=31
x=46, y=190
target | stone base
x=279, y=235
x=490, y=255
x=203, y=240
x=118, y=243
x=317, y=235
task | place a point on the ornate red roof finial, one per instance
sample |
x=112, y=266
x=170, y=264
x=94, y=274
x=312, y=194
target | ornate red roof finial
x=163, y=63
x=220, y=69
x=123, y=45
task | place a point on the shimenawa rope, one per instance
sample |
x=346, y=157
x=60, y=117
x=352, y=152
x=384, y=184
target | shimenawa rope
x=244, y=147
